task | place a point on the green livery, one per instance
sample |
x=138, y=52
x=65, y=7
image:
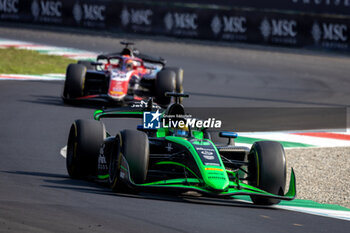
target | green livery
x=176, y=159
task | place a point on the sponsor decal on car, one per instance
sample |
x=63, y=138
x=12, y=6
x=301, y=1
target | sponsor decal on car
x=102, y=163
x=144, y=104
x=213, y=169
x=206, y=153
x=169, y=147
x=210, y=157
x=117, y=93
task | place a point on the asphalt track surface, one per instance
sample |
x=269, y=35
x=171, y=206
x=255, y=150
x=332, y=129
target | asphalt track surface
x=36, y=194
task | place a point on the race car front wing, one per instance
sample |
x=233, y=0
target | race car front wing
x=195, y=184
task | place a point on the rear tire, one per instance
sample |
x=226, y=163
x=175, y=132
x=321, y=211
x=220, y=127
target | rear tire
x=267, y=170
x=75, y=80
x=134, y=146
x=83, y=147
x=87, y=64
x=165, y=82
x=179, y=73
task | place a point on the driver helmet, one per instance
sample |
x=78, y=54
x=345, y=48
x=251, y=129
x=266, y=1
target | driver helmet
x=180, y=131
x=129, y=65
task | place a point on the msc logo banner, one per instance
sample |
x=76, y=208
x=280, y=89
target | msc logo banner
x=151, y=120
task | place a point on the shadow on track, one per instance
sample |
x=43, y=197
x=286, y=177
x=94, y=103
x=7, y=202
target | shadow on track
x=57, y=101
x=40, y=174
x=64, y=182
x=45, y=99
x=60, y=181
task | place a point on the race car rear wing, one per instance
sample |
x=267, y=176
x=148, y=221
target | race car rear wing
x=134, y=111
x=144, y=57
x=150, y=59
x=118, y=113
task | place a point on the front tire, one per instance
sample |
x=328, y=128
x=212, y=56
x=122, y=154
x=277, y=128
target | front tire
x=134, y=146
x=83, y=147
x=75, y=81
x=267, y=170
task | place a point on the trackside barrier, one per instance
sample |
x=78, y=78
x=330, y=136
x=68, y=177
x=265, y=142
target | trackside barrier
x=318, y=24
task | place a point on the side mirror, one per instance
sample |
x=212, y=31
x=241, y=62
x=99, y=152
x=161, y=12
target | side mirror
x=229, y=135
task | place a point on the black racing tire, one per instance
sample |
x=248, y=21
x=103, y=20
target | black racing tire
x=179, y=78
x=267, y=170
x=114, y=166
x=134, y=146
x=83, y=147
x=87, y=64
x=165, y=82
x=75, y=81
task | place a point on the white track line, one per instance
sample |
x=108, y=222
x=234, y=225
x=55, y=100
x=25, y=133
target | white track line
x=23, y=77
x=339, y=214
x=317, y=141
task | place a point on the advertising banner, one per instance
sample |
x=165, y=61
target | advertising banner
x=296, y=6
x=244, y=25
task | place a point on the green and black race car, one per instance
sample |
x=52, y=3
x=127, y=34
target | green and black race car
x=176, y=159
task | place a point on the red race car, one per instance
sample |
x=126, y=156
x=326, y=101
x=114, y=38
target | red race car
x=122, y=78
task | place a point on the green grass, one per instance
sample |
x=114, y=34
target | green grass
x=20, y=61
